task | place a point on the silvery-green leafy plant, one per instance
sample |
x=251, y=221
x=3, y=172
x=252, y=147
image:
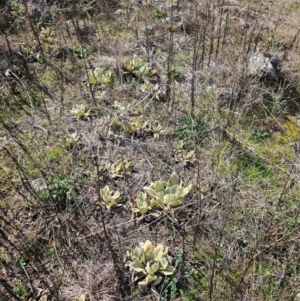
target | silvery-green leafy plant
x=80, y=112
x=142, y=204
x=155, y=129
x=138, y=67
x=149, y=263
x=125, y=108
x=47, y=34
x=185, y=157
x=100, y=77
x=169, y=196
x=71, y=140
x=134, y=125
x=120, y=169
x=109, y=199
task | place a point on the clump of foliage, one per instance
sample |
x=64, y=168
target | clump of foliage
x=59, y=193
x=136, y=68
x=109, y=199
x=170, y=196
x=71, y=140
x=80, y=112
x=23, y=49
x=80, y=52
x=161, y=196
x=100, y=77
x=142, y=204
x=120, y=169
x=155, y=129
x=150, y=261
x=134, y=126
x=182, y=155
x=47, y=34
x=191, y=129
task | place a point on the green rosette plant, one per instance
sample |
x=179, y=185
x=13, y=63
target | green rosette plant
x=169, y=196
x=109, y=199
x=149, y=263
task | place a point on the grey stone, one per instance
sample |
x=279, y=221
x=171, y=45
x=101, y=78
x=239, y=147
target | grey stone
x=265, y=66
x=138, y=3
x=243, y=23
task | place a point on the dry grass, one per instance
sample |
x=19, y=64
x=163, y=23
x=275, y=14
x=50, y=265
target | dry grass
x=236, y=235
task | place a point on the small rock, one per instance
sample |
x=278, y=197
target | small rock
x=266, y=66
x=225, y=95
x=36, y=7
x=252, y=14
x=244, y=24
x=138, y=3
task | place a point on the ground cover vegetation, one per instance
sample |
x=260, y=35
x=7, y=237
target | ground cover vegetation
x=149, y=150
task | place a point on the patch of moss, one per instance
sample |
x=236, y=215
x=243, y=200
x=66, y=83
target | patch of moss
x=291, y=131
x=56, y=152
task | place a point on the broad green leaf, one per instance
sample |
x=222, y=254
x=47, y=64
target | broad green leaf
x=110, y=204
x=158, y=186
x=163, y=263
x=147, y=246
x=151, y=192
x=143, y=210
x=173, y=180
x=149, y=256
x=173, y=189
x=158, y=252
x=175, y=203
x=136, y=210
x=184, y=191
x=142, y=196
x=116, y=195
x=148, y=279
x=137, y=252
x=137, y=267
x=152, y=204
x=160, y=196
x=92, y=79
x=168, y=271
x=152, y=268
x=105, y=191
x=169, y=198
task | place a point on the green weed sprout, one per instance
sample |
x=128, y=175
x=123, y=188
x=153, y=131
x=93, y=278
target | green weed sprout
x=150, y=261
x=108, y=198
